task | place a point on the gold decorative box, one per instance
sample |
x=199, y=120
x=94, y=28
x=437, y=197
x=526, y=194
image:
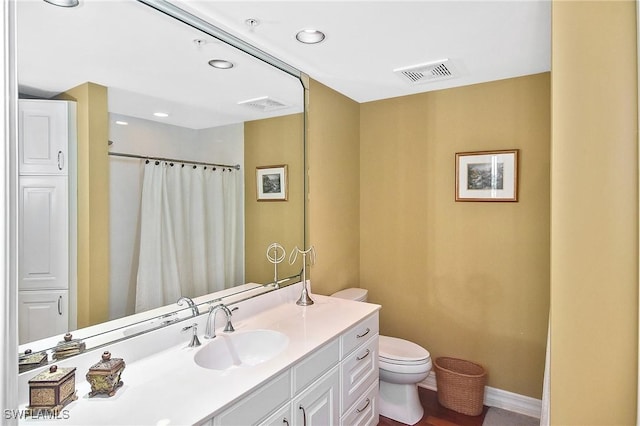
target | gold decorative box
x=104, y=376
x=68, y=347
x=52, y=389
x=29, y=360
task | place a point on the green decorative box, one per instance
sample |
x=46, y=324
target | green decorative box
x=104, y=376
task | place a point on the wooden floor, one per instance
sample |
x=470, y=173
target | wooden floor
x=436, y=415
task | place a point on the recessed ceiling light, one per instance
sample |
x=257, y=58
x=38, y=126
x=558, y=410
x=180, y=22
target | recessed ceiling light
x=161, y=114
x=63, y=3
x=221, y=64
x=122, y=123
x=310, y=36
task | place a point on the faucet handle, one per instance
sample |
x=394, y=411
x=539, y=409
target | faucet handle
x=194, y=338
x=229, y=327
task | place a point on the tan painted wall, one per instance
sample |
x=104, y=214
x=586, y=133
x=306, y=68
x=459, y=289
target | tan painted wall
x=594, y=244
x=93, y=203
x=270, y=142
x=333, y=137
x=462, y=279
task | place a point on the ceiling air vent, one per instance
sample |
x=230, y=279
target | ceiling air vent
x=264, y=104
x=424, y=73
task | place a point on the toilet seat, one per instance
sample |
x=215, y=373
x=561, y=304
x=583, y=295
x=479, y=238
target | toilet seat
x=401, y=352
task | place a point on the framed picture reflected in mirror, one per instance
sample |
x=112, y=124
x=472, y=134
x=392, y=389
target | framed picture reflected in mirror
x=271, y=183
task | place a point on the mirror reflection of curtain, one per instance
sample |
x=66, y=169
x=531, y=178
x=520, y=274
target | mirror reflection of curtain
x=189, y=233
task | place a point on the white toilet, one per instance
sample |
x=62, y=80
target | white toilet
x=402, y=365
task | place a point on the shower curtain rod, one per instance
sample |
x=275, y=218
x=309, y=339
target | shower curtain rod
x=171, y=160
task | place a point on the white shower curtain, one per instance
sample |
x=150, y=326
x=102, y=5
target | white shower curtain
x=189, y=233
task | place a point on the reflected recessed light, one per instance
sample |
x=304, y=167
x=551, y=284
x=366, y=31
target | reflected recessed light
x=161, y=114
x=122, y=123
x=310, y=36
x=63, y=3
x=221, y=64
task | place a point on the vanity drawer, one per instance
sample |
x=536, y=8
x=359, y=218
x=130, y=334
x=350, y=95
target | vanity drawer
x=358, y=371
x=359, y=334
x=315, y=365
x=254, y=407
x=365, y=412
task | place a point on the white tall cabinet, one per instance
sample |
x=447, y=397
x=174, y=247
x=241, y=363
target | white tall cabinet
x=46, y=149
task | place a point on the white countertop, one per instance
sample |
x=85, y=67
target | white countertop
x=169, y=388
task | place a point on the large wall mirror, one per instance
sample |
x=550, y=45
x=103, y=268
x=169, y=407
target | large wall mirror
x=121, y=62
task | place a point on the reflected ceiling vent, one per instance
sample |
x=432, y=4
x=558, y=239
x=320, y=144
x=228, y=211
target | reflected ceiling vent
x=264, y=104
x=425, y=73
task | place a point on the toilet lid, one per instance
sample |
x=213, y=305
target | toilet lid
x=396, y=350
x=351, y=294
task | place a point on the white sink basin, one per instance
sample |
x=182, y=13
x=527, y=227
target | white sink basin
x=241, y=349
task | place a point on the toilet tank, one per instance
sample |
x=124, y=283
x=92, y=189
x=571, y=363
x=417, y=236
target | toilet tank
x=357, y=294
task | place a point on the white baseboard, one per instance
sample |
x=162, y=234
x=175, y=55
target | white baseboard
x=499, y=398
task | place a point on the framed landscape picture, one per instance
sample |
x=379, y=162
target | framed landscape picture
x=271, y=183
x=487, y=175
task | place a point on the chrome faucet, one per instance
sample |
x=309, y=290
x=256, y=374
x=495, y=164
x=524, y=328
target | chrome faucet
x=194, y=309
x=210, y=332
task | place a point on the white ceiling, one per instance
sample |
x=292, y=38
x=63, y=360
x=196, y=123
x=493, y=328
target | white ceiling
x=150, y=62
x=367, y=40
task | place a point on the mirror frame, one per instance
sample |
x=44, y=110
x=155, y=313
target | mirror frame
x=9, y=179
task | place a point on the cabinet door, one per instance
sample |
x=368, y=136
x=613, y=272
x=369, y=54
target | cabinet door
x=319, y=405
x=42, y=314
x=43, y=260
x=43, y=137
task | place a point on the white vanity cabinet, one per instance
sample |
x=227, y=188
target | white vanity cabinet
x=46, y=145
x=319, y=404
x=40, y=312
x=43, y=136
x=43, y=233
x=335, y=384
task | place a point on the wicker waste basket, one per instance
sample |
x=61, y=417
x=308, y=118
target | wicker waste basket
x=460, y=385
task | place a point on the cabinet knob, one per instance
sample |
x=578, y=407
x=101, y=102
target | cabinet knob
x=59, y=305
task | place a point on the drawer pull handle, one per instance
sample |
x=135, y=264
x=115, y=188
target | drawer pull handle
x=363, y=334
x=60, y=160
x=360, y=410
x=285, y=421
x=59, y=305
x=360, y=358
x=304, y=415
